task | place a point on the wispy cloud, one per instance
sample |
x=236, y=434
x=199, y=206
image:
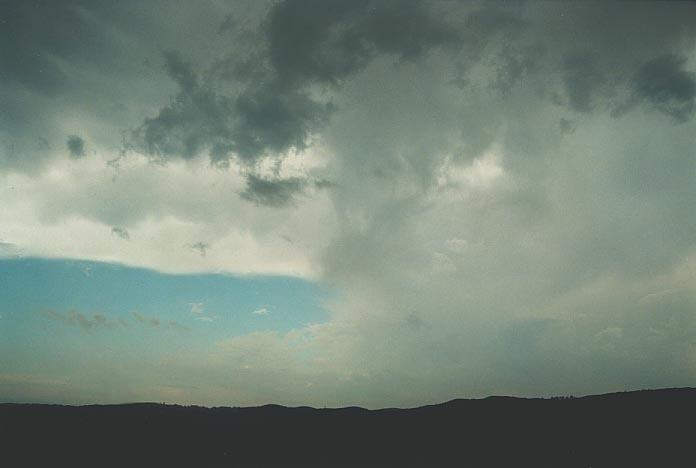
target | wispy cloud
x=658, y=294
x=173, y=324
x=85, y=321
x=156, y=322
x=197, y=309
x=140, y=318
x=98, y=320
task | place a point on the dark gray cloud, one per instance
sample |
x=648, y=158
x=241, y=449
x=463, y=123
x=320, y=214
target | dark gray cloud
x=87, y=61
x=515, y=65
x=76, y=146
x=271, y=120
x=200, y=247
x=196, y=119
x=120, y=232
x=273, y=192
x=272, y=110
x=582, y=76
x=44, y=44
x=255, y=103
x=256, y=121
x=664, y=84
x=326, y=41
x=35, y=36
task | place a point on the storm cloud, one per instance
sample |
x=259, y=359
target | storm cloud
x=276, y=193
x=501, y=193
x=664, y=84
x=76, y=146
x=264, y=104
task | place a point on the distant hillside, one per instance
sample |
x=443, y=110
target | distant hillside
x=645, y=428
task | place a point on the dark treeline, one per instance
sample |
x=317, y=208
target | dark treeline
x=646, y=428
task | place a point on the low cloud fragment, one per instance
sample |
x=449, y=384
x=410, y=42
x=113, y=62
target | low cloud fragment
x=275, y=193
x=120, y=232
x=200, y=247
x=76, y=146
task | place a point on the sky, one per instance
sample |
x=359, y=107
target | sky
x=332, y=203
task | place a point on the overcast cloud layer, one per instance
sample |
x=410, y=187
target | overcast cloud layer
x=501, y=194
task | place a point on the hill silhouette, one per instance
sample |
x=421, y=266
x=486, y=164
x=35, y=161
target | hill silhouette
x=641, y=428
